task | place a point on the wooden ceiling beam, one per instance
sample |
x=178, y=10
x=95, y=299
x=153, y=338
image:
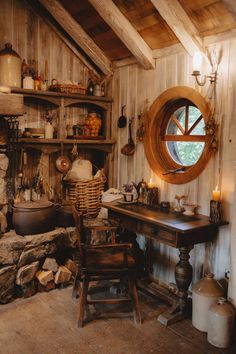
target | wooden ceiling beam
x=177, y=19
x=231, y=7
x=125, y=31
x=71, y=26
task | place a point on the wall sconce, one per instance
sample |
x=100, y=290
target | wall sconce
x=197, y=61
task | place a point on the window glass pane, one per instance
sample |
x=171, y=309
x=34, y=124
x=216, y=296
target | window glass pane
x=194, y=114
x=185, y=153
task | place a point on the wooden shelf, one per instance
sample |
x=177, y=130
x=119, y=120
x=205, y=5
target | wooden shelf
x=48, y=95
x=55, y=144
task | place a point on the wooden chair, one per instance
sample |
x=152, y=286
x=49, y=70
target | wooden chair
x=104, y=262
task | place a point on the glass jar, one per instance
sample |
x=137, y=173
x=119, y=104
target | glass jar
x=94, y=123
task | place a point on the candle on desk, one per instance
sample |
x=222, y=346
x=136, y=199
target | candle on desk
x=216, y=194
x=151, y=184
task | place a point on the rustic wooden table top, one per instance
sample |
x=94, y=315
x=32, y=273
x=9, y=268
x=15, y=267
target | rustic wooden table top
x=165, y=218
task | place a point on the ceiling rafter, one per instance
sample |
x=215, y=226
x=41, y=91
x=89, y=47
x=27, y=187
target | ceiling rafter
x=231, y=7
x=125, y=31
x=177, y=19
x=77, y=33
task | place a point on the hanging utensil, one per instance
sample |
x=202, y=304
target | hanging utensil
x=129, y=148
x=122, y=121
x=63, y=163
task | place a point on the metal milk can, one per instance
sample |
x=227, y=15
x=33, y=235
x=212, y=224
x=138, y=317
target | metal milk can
x=205, y=293
x=220, y=323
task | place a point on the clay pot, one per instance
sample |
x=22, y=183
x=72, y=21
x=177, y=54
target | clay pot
x=220, y=323
x=10, y=67
x=205, y=293
x=30, y=218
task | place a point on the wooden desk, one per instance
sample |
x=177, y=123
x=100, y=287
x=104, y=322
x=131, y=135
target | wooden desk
x=173, y=229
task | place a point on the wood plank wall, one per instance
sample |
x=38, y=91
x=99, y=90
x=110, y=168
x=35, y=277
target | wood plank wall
x=131, y=87
x=33, y=39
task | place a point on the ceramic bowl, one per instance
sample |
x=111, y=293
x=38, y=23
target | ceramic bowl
x=189, y=209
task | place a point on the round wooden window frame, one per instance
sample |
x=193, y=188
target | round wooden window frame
x=155, y=148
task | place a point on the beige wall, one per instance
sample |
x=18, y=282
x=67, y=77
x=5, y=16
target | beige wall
x=131, y=86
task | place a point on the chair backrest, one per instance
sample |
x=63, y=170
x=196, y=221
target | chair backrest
x=109, y=253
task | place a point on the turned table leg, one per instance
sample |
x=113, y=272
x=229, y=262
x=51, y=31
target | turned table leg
x=183, y=277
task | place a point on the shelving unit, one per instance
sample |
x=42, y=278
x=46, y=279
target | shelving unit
x=62, y=101
x=101, y=149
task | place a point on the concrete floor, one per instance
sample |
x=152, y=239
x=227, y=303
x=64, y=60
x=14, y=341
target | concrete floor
x=46, y=324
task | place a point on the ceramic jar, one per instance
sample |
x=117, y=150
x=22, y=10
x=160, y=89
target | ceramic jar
x=28, y=83
x=97, y=90
x=48, y=131
x=220, y=323
x=205, y=293
x=10, y=67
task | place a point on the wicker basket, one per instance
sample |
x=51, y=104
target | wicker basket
x=87, y=195
x=67, y=88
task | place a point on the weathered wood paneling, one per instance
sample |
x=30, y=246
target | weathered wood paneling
x=33, y=39
x=174, y=70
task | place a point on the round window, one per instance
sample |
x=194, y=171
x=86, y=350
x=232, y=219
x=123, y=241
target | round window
x=176, y=143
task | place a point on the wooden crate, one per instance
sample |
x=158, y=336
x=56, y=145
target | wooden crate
x=11, y=104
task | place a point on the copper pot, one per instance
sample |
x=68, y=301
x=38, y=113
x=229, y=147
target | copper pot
x=30, y=218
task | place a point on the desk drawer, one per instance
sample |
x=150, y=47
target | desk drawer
x=158, y=233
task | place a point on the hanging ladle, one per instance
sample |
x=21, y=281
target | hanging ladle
x=129, y=148
x=122, y=121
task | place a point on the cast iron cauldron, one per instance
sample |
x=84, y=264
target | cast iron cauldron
x=64, y=215
x=30, y=218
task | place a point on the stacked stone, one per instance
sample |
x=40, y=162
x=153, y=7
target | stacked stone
x=23, y=258
x=3, y=196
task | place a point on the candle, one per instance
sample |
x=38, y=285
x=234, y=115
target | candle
x=216, y=194
x=151, y=184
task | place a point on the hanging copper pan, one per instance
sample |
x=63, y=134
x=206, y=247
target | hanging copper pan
x=63, y=163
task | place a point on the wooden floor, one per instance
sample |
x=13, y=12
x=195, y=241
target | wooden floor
x=46, y=324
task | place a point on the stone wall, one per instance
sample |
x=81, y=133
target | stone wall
x=3, y=197
x=22, y=260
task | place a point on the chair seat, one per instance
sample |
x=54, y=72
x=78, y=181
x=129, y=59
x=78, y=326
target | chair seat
x=109, y=258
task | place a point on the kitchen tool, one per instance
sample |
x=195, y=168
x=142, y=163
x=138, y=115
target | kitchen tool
x=31, y=218
x=129, y=148
x=122, y=121
x=63, y=163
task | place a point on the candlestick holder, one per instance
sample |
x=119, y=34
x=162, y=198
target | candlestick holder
x=152, y=196
x=215, y=211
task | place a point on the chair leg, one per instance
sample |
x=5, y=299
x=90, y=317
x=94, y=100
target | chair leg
x=82, y=300
x=76, y=291
x=135, y=301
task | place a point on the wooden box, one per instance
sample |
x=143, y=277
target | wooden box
x=11, y=105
